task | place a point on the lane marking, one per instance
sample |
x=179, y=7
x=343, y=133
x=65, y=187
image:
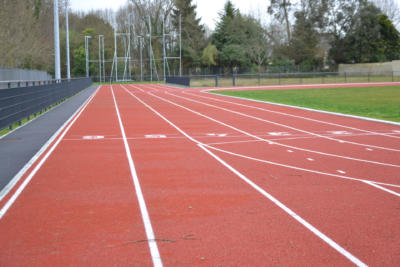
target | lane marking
x=269, y=162
x=279, y=124
x=92, y=137
x=340, y=132
x=303, y=169
x=310, y=159
x=155, y=254
x=218, y=135
x=340, y=171
x=290, y=151
x=286, y=114
x=309, y=109
x=369, y=149
x=267, y=140
x=155, y=136
x=279, y=134
x=68, y=124
x=295, y=216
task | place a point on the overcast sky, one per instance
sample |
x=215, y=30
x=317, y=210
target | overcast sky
x=206, y=9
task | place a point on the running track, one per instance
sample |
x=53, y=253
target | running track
x=150, y=175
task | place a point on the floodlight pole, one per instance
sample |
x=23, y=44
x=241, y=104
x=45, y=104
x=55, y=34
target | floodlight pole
x=163, y=29
x=150, y=51
x=100, y=36
x=141, y=57
x=180, y=45
x=115, y=53
x=57, y=66
x=104, y=70
x=67, y=40
x=87, y=54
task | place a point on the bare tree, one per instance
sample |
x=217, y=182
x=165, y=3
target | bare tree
x=391, y=9
x=281, y=10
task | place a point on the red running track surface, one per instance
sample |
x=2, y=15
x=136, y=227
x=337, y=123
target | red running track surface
x=220, y=182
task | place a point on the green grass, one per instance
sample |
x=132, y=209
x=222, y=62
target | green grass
x=18, y=124
x=374, y=102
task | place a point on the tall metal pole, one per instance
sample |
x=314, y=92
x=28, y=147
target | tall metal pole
x=104, y=71
x=87, y=54
x=150, y=51
x=57, y=66
x=100, y=58
x=180, y=45
x=67, y=40
x=163, y=29
x=115, y=54
x=141, y=57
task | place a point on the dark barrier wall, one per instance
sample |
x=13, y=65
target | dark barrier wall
x=178, y=80
x=19, y=103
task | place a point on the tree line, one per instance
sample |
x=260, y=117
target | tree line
x=313, y=34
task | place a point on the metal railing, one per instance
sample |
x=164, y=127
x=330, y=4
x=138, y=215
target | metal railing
x=19, y=103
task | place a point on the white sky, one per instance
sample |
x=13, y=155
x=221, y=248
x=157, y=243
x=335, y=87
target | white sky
x=206, y=9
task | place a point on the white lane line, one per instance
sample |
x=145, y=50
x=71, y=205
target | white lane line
x=290, y=151
x=294, y=215
x=310, y=159
x=340, y=171
x=282, y=125
x=298, y=218
x=382, y=188
x=19, y=175
x=286, y=114
x=305, y=170
x=155, y=254
x=268, y=140
x=269, y=162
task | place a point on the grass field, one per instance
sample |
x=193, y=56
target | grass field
x=208, y=81
x=374, y=102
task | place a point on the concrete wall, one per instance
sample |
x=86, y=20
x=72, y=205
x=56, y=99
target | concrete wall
x=7, y=74
x=383, y=68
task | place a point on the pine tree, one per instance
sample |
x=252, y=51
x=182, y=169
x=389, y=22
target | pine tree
x=193, y=33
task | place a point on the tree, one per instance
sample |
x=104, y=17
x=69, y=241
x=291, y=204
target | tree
x=303, y=45
x=391, y=9
x=221, y=37
x=209, y=55
x=307, y=33
x=370, y=37
x=193, y=33
x=281, y=11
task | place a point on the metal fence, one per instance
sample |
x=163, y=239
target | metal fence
x=21, y=75
x=19, y=103
x=265, y=79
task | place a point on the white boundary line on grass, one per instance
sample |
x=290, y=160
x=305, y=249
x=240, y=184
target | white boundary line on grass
x=155, y=254
x=19, y=175
x=295, y=216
